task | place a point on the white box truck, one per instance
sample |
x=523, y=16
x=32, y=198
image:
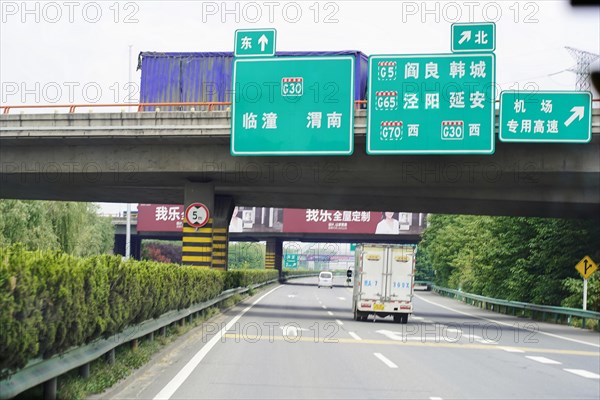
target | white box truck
x=384, y=278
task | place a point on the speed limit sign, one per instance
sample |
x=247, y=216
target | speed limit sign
x=196, y=215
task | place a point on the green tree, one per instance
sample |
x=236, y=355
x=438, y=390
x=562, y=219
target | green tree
x=74, y=228
x=514, y=258
x=246, y=255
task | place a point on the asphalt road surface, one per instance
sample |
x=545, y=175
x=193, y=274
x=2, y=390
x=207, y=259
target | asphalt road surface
x=299, y=342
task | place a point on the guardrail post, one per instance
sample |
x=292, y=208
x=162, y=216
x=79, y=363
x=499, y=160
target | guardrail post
x=50, y=389
x=134, y=344
x=583, y=321
x=84, y=371
x=110, y=357
x=151, y=337
x=163, y=331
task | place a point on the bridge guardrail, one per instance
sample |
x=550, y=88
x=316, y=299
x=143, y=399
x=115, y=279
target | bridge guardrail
x=484, y=302
x=47, y=371
x=141, y=107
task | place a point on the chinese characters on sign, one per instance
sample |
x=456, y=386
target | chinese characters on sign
x=474, y=37
x=254, y=42
x=293, y=106
x=545, y=116
x=427, y=104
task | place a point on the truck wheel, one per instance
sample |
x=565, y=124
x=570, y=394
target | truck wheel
x=357, y=315
x=398, y=318
x=404, y=319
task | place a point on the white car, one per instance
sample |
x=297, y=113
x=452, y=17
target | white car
x=325, y=279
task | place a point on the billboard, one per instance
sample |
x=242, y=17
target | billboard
x=169, y=218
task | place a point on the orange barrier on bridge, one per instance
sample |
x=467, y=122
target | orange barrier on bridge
x=210, y=105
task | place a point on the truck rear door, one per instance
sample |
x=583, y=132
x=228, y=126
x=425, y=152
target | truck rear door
x=401, y=264
x=373, y=263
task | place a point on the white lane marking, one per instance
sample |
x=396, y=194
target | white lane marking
x=542, y=360
x=511, y=349
x=385, y=360
x=329, y=312
x=339, y=322
x=584, y=373
x=427, y=321
x=324, y=307
x=354, y=336
x=291, y=295
x=505, y=324
x=417, y=318
x=399, y=336
x=342, y=298
x=435, y=398
x=174, y=384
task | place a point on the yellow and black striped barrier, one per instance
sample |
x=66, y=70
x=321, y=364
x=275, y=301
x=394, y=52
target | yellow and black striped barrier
x=198, y=245
x=219, y=255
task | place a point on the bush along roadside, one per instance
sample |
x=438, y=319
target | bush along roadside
x=51, y=301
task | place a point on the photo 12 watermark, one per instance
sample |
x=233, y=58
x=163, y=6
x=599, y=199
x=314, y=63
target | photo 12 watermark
x=270, y=12
x=470, y=11
x=89, y=92
x=54, y=12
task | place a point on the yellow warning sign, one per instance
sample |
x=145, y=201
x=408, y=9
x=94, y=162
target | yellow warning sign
x=586, y=267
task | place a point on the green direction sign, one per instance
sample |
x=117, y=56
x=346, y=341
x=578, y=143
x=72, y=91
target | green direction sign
x=254, y=42
x=545, y=116
x=293, y=106
x=431, y=104
x=479, y=37
x=290, y=261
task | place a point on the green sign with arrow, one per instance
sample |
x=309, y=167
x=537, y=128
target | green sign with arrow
x=545, y=116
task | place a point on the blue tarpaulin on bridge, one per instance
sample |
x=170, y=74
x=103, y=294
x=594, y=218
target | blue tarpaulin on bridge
x=206, y=77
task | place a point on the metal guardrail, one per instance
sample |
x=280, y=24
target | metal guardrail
x=47, y=371
x=555, y=311
x=141, y=107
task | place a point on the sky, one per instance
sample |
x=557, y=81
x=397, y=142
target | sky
x=61, y=52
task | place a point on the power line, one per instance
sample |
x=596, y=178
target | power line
x=582, y=69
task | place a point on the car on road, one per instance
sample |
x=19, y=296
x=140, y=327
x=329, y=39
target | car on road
x=325, y=279
x=423, y=285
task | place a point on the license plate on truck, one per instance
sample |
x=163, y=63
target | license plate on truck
x=378, y=307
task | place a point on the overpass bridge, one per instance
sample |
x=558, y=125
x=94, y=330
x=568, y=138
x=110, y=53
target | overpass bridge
x=150, y=157
x=144, y=225
x=181, y=157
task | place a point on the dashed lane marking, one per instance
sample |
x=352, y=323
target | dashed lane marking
x=543, y=360
x=583, y=373
x=385, y=360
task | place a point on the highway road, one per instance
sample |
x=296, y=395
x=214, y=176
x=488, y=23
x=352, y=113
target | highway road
x=296, y=341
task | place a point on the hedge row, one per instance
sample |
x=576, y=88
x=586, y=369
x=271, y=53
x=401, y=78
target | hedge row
x=51, y=301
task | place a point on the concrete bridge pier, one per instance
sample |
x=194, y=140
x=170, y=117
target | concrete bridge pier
x=206, y=246
x=274, y=255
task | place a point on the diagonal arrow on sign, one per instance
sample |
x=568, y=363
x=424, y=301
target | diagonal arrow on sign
x=465, y=37
x=578, y=112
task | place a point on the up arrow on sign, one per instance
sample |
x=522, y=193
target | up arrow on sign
x=263, y=41
x=254, y=43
